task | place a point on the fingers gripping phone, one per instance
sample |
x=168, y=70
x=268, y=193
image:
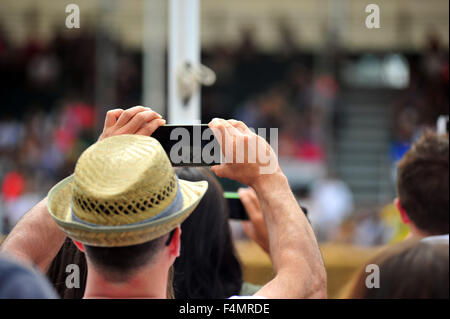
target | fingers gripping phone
x=189, y=145
x=237, y=209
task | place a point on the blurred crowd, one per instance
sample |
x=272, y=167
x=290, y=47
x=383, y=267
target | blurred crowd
x=273, y=90
x=48, y=95
x=49, y=117
x=51, y=112
x=424, y=100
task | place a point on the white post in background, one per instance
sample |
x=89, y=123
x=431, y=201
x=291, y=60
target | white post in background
x=106, y=57
x=154, y=42
x=184, y=47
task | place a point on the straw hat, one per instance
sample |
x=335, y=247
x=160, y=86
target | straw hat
x=124, y=192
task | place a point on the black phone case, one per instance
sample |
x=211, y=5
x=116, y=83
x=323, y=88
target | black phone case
x=194, y=156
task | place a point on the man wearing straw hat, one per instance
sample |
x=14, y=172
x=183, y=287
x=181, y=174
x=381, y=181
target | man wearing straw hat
x=124, y=204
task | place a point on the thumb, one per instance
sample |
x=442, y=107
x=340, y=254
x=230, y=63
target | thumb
x=250, y=203
x=219, y=170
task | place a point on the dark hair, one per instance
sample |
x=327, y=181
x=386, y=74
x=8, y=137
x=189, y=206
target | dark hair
x=407, y=270
x=423, y=183
x=207, y=266
x=119, y=263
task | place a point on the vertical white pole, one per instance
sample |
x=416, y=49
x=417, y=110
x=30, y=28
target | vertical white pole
x=154, y=42
x=184, y=46
x=106, y=62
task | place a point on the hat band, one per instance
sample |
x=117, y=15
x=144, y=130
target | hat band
x=175, y=206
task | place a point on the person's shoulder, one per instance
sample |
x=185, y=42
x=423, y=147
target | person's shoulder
x=247, y=297
x=21, y=282
x=439, y=239
x=248, y=289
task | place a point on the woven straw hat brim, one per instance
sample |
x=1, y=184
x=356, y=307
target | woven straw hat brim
x=59, y=206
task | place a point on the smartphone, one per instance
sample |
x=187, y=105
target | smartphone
x=189, y=145
x=236, y=208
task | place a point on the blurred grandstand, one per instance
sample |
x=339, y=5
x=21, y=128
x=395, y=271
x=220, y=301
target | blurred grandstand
x=347, y=100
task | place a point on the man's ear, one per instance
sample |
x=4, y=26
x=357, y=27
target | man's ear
x=79, y=245
x=403, y=214
x=175, y=243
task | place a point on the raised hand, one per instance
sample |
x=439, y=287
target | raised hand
x=247, y=156
x=135, y=120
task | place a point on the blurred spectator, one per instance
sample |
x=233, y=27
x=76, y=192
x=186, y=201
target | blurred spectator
x=405, y=133
x=12, y=186
x=10, y=133
x=408, y=270
x=333, y=203
x=20, y=282
x=423, y=182
x=14, y=210
x=370, y=230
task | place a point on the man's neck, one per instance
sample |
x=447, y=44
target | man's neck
x=147, y=283
x=417, y=233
